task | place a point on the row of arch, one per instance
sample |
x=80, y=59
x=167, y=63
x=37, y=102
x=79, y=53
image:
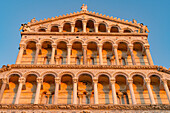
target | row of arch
x=92, y=52
x=85, y=26
x=85, y=89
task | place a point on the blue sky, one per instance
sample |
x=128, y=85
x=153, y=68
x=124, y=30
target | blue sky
x=153, y=13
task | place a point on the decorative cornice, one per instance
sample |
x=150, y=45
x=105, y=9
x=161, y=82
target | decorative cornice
x=82, y=107
x=84, y=33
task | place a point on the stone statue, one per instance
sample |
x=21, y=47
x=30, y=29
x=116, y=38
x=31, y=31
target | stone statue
x=25, y=27
x=134, y=21
x=84, y=7
x=143, y=29
x=33, y=20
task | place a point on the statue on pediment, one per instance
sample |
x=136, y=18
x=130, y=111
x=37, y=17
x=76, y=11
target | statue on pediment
x=143, y=29
x=84, y=7
x=25, y=27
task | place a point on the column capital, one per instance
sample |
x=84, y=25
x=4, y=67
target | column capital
x=84, y=46
x=115, y=46
x=147, y=46
x=72, y=24
x=22, y=46
x=39, y=80
x=112, y=80
x=75, y=80
x=38, y=45
x=164, y=80
x=130, y=80
x=130, y=46
x=5, y=80
x=54, y=45
x=69, y=45
x=57, y=80
x=99, y=45
x=60, y=27
x=84, y=21
x=147, y=80
x=96, y=24
x=95, y=80
x=21, y=80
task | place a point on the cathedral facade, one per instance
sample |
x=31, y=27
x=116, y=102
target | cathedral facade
x=84, y=62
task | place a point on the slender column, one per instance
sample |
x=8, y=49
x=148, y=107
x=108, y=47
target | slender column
x=39, y=82
x=100, y=54
x=60, y=29
x=84, y=25
x=20, y=54
x=114, y=96
x=68, y=53
x=96, y=27
x=108, y=29
x=5, y=81
x=72, y=27
x=148, y=54
x=38, y=46
x=53, y=53
x=21, y=82
x=166, y=89
x=115, y=46
x=147, y=81
x=130, y=82
x=131, y=53
x=84, y=54
x=75, y=80
x=57, y=81
x=95, y=81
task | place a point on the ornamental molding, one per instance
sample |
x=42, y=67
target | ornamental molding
x=82, y=107
x=84, y=34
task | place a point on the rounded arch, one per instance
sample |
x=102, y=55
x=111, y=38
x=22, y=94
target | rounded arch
x=85, y=72
x=41, y=29
x=29, y=40
x=92, y=40
x=13, y=72
x=138, y=73
x=62, y=40
x=107, y=40
x=125, y=41
x=31, y=72
x=120, y=73
x=77, y=19
x=154, y=73
x=94, y=21
x=64, y=22
x=76, y=40
x=49, y=40
x=129, y=29
x=139, y=41
x=48, y=73
x=66, y=73
x=115, y=25
x=103, y=22
x=103, y=73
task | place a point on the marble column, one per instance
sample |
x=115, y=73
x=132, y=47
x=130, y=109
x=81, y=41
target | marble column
x=147, y=81
x=96, y=27
x=108, y=29
x=84, y=25
x=131, y=53
x=69, y=46
x=95, y=81
x=21, y=83
x=75, y=82
x=4, y=83
x=20, y=54
x=53, y=53
x=38, y=47
x=148, y=54
x=84, y=54
x=72, y=27
x=130, y=82
x=100, y=54
x=115, y=46
x=60, y=29
x=39, y=83
x=114, y=96
x=166, y=89
x=57, y=82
